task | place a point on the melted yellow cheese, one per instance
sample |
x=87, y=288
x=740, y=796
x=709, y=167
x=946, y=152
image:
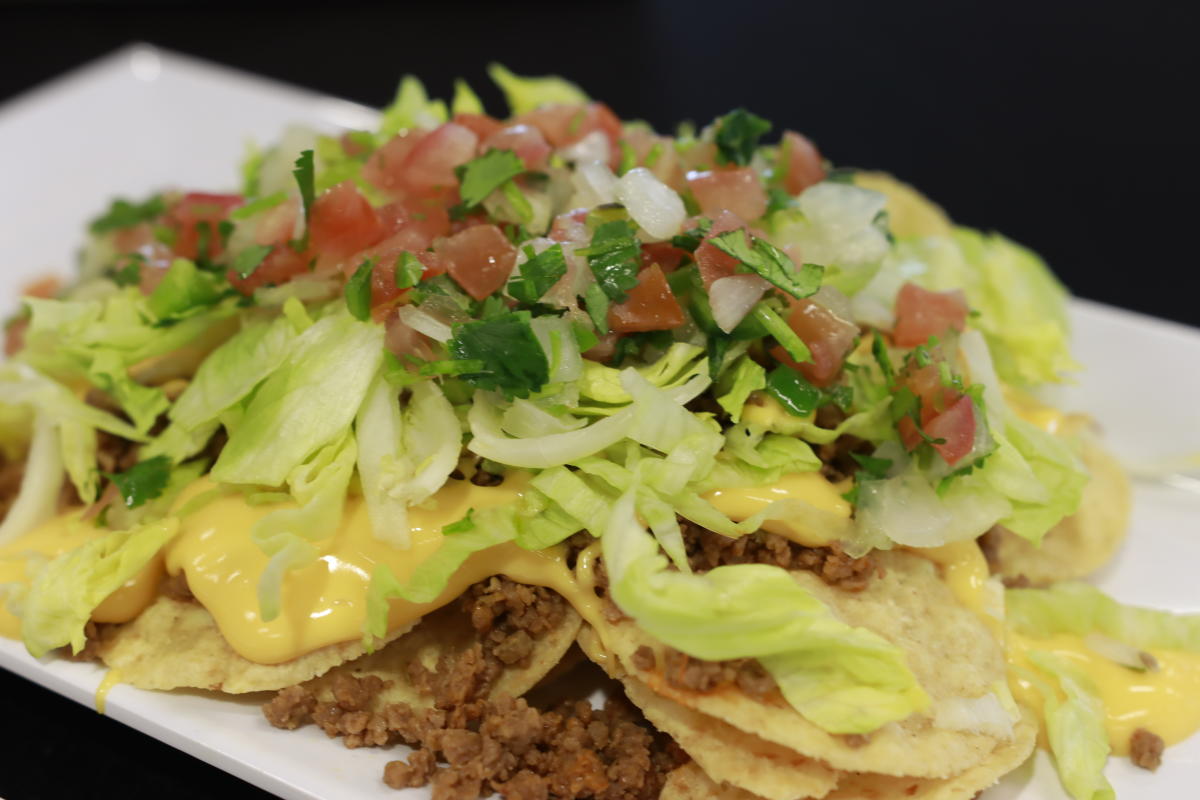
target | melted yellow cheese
x=965, y=572
x=810, y=487
x=1048, y=418
x=1165, y=701
x=111, y=679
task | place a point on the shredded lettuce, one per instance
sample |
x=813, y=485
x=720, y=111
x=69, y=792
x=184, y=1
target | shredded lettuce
x=41, y=484
x=843, y=679
x=63, y=596
x=306, y=403
x=404, y=457
x=465, y=101
x=735, y=386
x=601, y=389
x=1075, y=727
x=411, y=108
x=318, y=487
x=1081, y=609
x=526, y=94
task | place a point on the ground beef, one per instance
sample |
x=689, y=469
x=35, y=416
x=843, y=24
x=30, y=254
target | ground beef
x=1146, y=749
x=708, y=550
x=837, y=460
x=501, y=745
x=684, y=672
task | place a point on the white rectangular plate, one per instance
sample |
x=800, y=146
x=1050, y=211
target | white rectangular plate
x=141, y=120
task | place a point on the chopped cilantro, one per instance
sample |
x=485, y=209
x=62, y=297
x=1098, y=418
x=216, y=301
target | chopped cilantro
x=585, y=337
x=482, y=176
x=245, y=262
x=143, y=481
x=737, y=137
x=358, y=291
x=409, y=270
x=305, y=175
x=538, y=274
x=130, y=274
x=614, y=256
x=793, y=391
x=777, y=200
x=165, y=234
x=597, y=307
x=124, y=214
x=875, y=468
x=840, y=396
x=783, y=333
x=879, y=350
x=518, y=202
x=771, y=263
x=511, y=358
x=452, y=366
x=691, y=239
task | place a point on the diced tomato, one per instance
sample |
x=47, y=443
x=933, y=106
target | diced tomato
x=650, y=306
x=936, y=398
x=280, y=266
x=480, y=259
x=829, y=338
x=800, y=163
x=524, y=140
x=429, y=168
x=385, y=168
x=350, y=146
x=665, y=254
x=563, y=125
x=481, y=125
x=657, y=154
x=423, y=220
x=921, y=314
x=341, y=224
x=277, y=225
x=955, y=425
x=738, y=190
x=713, y=263
x=571, y=227
x=403, y=340
x=42, y=287
x=198, y=210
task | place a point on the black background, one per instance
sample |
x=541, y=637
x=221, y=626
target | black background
x=1067, y=126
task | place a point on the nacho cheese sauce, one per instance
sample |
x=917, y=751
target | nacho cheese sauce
x=325, y=602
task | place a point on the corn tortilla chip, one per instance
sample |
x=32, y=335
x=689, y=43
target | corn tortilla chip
x=176, y=645
x=1081, y=543
x=952, y=652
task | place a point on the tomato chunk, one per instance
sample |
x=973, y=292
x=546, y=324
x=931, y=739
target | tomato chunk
x=956, y=427
x=385, y=168
x=563, y=125
x=480, y=259
x=800, y=163
x=829, y=338
x=280, y=266
x=481, y=125
x=650, y=306
x=196, y=211
x=342, y=223
x=524, y=140
x=921, y=313
x=737, y=190
x=430, y=166
x=665, y=254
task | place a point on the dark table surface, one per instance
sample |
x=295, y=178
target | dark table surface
x=1066, y=126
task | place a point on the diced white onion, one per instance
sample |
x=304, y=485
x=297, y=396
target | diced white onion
x=984, y=714
x=653, y=205
x=732, y=298
x=593, y=148
x=594, y=184
x=425, y=323
x=835, y=301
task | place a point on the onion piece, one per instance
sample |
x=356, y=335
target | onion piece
x=653, y=205
x=425, y=323
x=732, y=298
x=593, y=148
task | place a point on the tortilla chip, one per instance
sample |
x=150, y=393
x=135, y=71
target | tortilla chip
x=690, y=782
x=447, y=632
x=951, y=651
x=1081, y=543
x=177, y=645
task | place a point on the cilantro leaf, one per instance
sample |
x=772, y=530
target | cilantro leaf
x=518, y=202
x=614, y=256
x=597, y=307
x=510, y=356
x=245, y=262
x=793, y=391
x=409, y=270
x=879, y=350
x=124, y=214
x=130, y=274
x=691, y=239
x=358, y=291
x=771, y=263
x=143, y=481
x=875, y=468
x=305, y=175
x=255, y=207
x=737, y=136
x=482, y=176
x=538, y=274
